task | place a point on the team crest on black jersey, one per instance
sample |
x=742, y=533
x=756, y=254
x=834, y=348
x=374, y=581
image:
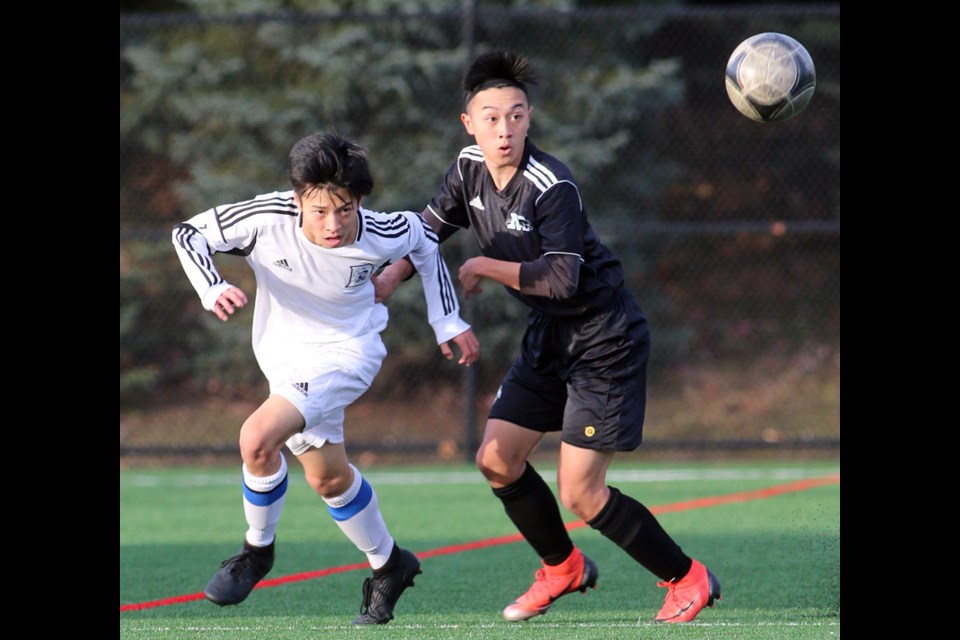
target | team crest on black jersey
x=517, y=222
x=360, y=275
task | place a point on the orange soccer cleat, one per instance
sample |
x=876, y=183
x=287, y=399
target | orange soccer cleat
x=686, y=597
x=576, y=573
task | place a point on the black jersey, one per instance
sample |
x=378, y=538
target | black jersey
x=538, y=214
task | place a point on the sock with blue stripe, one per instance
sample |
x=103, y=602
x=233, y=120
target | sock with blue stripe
x=357, y=513
x=262, y=504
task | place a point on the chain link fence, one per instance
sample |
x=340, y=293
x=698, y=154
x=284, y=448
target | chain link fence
x=729, y=230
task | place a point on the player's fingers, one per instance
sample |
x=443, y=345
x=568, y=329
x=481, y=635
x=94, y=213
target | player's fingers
x=236, y=297
x=446, y=350
x=471, y=291
x=469, y=348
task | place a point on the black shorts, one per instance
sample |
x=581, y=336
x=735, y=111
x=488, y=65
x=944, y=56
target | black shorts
x=585, y=376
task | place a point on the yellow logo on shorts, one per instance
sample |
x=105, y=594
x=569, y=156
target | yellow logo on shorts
x=589, y=431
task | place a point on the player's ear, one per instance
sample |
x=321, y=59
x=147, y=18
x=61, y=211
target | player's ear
x=467, y=123
x=297, y=201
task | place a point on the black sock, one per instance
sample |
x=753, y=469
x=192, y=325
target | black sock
x=391, y=561
x=635, y=530
x=531, y=506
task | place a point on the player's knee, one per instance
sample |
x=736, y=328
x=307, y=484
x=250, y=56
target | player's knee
x=495, y=468
x=486, y=462
x=328, y=485
x=584, y=504
x=575, y=503
x=257, y=451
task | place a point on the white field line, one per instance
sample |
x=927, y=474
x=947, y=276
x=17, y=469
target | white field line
x=466, y=626
x=147, y=479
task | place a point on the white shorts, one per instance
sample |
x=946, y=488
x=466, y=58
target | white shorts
x=323, y=381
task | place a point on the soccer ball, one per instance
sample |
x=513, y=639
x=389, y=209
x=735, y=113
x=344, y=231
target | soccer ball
x=770, y=77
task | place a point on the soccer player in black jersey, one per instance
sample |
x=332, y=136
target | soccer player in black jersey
x=583, y=358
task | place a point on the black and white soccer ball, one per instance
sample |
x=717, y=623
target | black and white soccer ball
x=770, y=77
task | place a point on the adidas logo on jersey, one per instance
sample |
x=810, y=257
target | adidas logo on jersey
x=476, y=204
x=283, y=264
x=518, y=223
x=301, y=387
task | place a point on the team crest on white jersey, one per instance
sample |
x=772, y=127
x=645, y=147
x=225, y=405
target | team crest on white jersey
x=477, y=204
x=518, y=223
x=359, y=275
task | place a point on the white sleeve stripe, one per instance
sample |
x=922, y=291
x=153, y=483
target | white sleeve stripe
x=579, y=199
x=536, y=180
x=563, y=253
x=542, y=170
x=437, y=215
x=472, y=153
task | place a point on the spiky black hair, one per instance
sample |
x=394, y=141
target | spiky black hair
x=498, y=69
x=329, y=159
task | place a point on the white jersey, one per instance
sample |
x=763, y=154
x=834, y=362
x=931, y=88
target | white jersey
x=308, y=294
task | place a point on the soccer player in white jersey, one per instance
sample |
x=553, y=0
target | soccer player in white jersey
x=316, y=336
x=583, y=356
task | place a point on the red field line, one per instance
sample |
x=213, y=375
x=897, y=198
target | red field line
x=687, y=505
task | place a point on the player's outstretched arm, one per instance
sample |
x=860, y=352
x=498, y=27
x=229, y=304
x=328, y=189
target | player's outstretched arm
x=474, y=270
x=469, y=348
x=199, y=238
x=388, y=280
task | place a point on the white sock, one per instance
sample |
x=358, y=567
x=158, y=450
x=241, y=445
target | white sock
x=262, y=503
x=357, y=513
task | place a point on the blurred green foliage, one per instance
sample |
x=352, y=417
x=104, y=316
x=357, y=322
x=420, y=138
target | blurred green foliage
x=211, y=100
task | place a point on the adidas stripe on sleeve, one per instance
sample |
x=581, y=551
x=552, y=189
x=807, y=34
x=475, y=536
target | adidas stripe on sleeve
x=226, y=229
x=443, y=309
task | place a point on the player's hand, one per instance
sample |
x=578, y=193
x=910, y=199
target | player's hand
x=387, y=281
x=469, y=348
x=470, y=278
x=229, y=302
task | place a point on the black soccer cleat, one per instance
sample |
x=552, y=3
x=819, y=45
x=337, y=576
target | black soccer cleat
x=380, y=593
x=239, y=575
